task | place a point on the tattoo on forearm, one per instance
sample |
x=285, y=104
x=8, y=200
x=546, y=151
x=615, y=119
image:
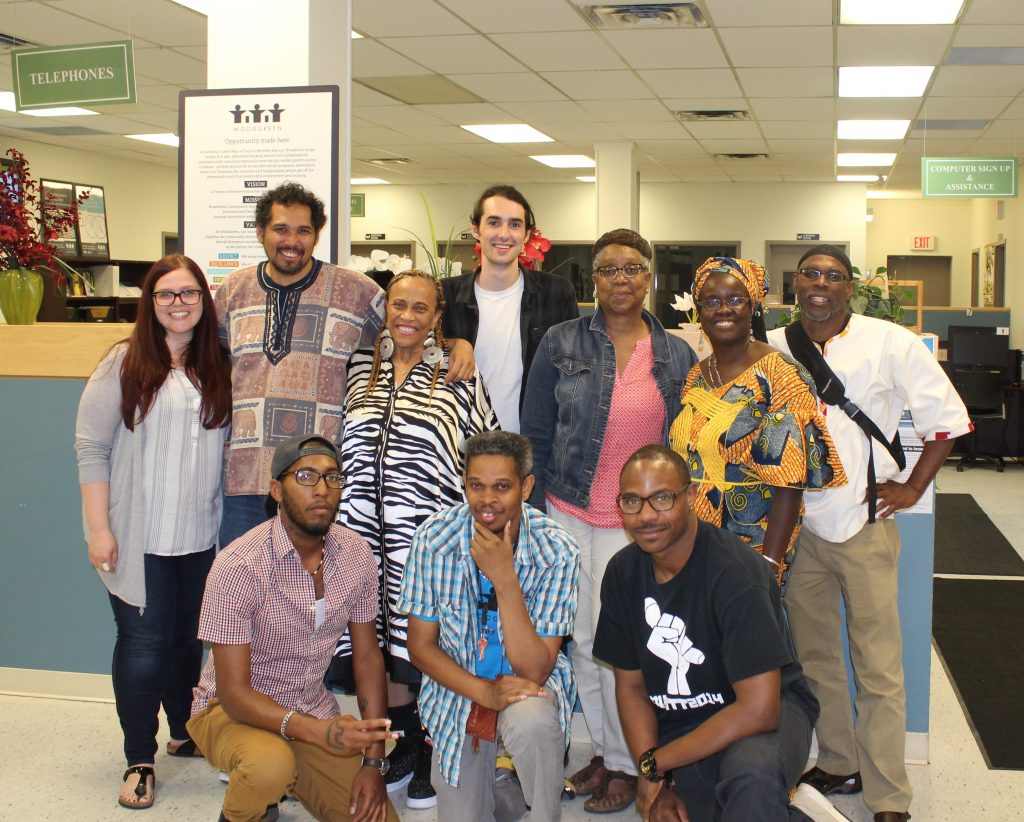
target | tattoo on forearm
x=362, y=703
x=336, y=734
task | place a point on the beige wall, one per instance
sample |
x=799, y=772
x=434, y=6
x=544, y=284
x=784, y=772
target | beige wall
x=141, y=198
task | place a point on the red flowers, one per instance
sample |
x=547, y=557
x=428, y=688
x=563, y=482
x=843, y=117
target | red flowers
x=29, y=222
x=537, y=245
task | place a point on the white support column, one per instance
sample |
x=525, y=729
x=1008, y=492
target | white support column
x=618, y=186
x=262, y=43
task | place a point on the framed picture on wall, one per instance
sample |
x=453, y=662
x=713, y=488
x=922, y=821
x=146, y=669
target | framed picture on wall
x=59, y=196
x=92, y=223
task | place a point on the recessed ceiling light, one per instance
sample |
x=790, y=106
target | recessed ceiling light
x=906, y=12
x=865, y=158
x=564, y=160
x=356, y=35
x=509, y=133
x=161, y=139
x=856, y=178
x=873, y=129
x=883, y=81
x=369, y=181
x=587, y=179
x=60, y=111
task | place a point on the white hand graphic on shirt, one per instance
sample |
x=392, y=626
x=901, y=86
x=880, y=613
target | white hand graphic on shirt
x=668, y=641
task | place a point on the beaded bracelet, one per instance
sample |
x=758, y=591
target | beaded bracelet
x=284, y=726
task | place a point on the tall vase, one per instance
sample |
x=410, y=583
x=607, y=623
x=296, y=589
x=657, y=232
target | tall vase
x=21, y=295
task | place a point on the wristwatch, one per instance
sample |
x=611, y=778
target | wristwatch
x=380, y=765
x=648, y=766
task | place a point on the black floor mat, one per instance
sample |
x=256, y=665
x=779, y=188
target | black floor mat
x=967, y=542
x=978, y=626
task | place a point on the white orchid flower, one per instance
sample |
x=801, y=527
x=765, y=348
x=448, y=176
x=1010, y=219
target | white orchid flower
x=397, y=264
x=683, y=303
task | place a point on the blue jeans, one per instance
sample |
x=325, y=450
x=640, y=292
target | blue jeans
x=241, y=513
x=157, y=654
x=751, y=778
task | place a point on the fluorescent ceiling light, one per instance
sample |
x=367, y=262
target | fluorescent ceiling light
x=587, y=179
x=509, y=133
x=165, y=139
x=856, y=178
x=865, y=158
x=873, y=129
x=883, y=81
x=564, y=160
x=356, y=35
x=905, y=12
x=7, y=101
x=369, y=181
x=61, y=111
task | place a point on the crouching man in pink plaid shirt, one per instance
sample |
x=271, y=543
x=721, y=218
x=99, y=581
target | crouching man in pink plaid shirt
x=276, y=601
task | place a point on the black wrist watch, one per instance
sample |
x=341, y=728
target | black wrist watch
x=648, y=766
x=380, y=765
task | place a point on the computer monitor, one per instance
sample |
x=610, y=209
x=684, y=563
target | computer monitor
x=972, y=349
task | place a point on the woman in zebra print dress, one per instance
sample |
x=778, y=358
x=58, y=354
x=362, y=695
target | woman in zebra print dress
x=403, y=459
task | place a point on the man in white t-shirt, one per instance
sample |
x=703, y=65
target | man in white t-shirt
x=503, y=308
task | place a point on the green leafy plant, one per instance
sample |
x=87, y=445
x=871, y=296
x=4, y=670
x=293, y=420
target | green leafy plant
x=443, y=266
x=874, y=296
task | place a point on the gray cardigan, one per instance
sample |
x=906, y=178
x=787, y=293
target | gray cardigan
x=108, y=452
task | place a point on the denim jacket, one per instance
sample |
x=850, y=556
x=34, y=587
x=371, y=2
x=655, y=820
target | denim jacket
x=569, y=397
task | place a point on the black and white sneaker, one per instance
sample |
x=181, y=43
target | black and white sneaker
x=421, y=793
x=401, y=763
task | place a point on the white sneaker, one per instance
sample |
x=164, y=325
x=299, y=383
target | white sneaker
x=815, y=804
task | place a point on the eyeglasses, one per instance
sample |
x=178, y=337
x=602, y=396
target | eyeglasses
x=714, y=303
x=814, y=275
x=310, y=478
x=630, y=271
x=190, y=296
x=661, y=501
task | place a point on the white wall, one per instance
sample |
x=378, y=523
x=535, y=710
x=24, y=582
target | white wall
x=141, y=198
x=986, y=228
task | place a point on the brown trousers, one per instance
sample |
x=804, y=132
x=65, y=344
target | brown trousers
x=263, y=767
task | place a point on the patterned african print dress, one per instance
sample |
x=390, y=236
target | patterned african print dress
x=402, y=454
x=759, y=432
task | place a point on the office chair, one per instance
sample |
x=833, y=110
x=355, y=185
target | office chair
x=982, y=393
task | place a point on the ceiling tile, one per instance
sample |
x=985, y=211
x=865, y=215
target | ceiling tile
x=160, y=22
x=467, y=113
x=366, y=96
x=372, y=59
x=798, y=129
x=1005, y=36
x=455, y=54
x=795, y=82
x=404, y=18
x=645, y=130
x=523, y=15
x=508, y=87
x=591, y=132
x=400, y=115
x=775, y=13
x=622, y=111
x=793, y=108
x=734, y=146
x=692, y=83
x=996, y=12
x=606, y=85
x=892, y=45
x=777, y=46
x=963, y=108
x=563, y=112
x=158, y=62
x=877, y=108
x=561, y=51
x=737, y=130
x=984, y=80
x=667, y=49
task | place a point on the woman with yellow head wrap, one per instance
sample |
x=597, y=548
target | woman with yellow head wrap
x=750, y=428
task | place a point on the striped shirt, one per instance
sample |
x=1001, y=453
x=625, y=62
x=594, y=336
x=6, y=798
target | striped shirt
x=259, y=594
x=441, y=585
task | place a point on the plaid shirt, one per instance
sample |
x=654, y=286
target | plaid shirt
x=259, y=594
x=441, y=585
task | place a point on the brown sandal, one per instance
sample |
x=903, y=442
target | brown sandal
x=604, y=799
x=590, y=777
x=145, y=790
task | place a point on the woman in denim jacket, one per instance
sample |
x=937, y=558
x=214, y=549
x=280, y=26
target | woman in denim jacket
x=600, y=388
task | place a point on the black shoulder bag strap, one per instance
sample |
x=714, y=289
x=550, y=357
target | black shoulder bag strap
x=832, y=391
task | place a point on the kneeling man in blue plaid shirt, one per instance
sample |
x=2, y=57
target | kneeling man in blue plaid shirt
x=490, y=589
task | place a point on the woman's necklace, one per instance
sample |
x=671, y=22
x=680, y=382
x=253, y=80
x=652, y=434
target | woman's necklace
x=713, y=373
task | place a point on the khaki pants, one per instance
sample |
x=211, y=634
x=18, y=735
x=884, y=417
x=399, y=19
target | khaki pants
x=863, y=570
x=263, y=767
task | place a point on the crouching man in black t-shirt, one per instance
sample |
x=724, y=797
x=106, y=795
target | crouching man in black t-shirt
x=713, y=703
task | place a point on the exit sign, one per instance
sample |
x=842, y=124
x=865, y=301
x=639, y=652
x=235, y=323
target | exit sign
x=922, y=242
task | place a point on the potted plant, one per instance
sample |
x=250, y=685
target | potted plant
x=29, y=223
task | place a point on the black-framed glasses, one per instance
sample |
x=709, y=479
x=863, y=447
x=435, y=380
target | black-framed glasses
x=309, y=477
x=190, y=296
x=629, y=271
x=661, y=501
x=814, y=275
x=714, y=303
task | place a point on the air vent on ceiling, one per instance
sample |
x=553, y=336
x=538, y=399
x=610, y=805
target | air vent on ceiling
x=390, y=161
x=741, y=156
x=9, y=41
x=713, y=115
x=641, y=15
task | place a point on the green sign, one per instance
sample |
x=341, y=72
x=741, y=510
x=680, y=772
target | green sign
x=358, y=205
x=93, y=74
x=952, y=177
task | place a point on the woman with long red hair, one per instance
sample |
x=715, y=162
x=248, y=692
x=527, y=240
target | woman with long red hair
x=150, y=442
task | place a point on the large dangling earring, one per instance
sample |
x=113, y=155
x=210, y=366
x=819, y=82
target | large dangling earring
x=700, y=340
x=387, y=345
x=432, y=352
